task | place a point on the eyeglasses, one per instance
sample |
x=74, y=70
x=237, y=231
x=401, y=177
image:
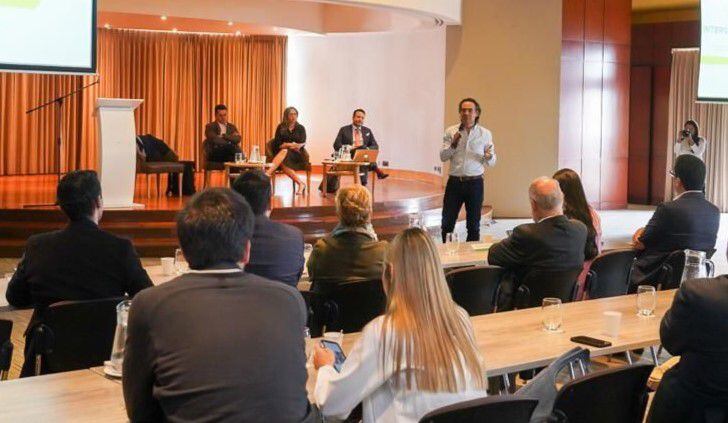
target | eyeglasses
x=671, y=173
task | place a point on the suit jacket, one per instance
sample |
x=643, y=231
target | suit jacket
x=214, y=138
x=556, y=243
x=276, y=251
x=694, y=328
x=216, y=347
x=346, y=137
x=80, y=262
x=689, y=221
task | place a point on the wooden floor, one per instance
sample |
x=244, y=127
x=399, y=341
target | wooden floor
x=24, y=191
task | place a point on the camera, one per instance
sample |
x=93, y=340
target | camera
x=685, y=133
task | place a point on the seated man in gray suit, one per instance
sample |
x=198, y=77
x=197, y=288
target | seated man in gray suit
x=216, y=344
x=276, y=249
x=222, y=138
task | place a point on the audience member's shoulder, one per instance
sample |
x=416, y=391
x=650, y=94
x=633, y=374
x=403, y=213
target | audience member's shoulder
x=290, y=229
x=42, y=238
x=271, y=286
x=693, y=289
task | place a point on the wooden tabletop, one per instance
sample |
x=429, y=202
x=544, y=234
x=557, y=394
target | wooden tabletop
x=247, y=165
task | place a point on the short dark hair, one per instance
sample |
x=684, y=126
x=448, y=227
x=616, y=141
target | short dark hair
x=214, y=227
x=254, y=186
x=474, y=101
x=78, y=193
x=691, y=171
x=220, y=107
x=358, y=110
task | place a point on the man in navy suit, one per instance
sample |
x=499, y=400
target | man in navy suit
x=276, y=249
x=359, y=137
x=689, y=221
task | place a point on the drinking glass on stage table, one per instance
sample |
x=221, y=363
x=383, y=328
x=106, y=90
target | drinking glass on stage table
x=238, y=157
x=552, y=317
x=646, y=300
x=452, y=243
x=180, y=262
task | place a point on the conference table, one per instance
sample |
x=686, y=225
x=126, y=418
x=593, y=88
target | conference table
x=509, y=341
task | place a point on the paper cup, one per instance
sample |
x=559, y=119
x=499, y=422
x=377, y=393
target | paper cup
x=167, y=266
x=612, y=323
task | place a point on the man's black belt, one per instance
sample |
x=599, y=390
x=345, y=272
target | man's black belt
x=466, y=178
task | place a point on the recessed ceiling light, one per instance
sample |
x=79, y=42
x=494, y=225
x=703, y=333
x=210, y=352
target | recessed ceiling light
x=238, y=33
x=107, y=25
x=230, y=23
x=163, y=17
x=174, y=29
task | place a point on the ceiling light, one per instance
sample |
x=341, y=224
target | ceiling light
x=238, y=33
x=174, y=29
x=163, y=17
x=107, y=25
x=230, y=23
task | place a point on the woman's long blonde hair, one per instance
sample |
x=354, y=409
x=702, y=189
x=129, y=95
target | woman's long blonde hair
x=423, y=333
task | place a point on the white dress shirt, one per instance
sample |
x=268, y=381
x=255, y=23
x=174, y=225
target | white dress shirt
x=365, y=379
x=683, y=147
x=223, y=128
x=468, y=159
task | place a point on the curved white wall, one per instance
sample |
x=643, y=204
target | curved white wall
x=399, y=79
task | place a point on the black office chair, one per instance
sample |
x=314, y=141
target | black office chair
x=73, y=335
x=672, y=269
x=609, y=396
x=540, y=283
x=502, y=408
x=609, y=273
x=475, y=288
x=6, y=348
x=351, y=305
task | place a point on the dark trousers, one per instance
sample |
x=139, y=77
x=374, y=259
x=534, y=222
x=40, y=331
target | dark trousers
x=223, y=153
x=457, y=192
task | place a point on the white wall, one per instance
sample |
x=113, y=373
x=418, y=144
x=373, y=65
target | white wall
x=398, y=78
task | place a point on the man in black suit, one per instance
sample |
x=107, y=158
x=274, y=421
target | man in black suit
x=218, y=343
x=696, y=389
x=222, y=138
x=553, y=242
x=359, y=137
x=80, y=262
x=276, y=249
x=687, y=222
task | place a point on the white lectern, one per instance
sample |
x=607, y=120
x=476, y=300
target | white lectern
x=117, y=150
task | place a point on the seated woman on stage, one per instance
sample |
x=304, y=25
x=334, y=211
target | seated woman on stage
x=288, y=148
x=419, y=356
x=576, y=207
x=352, y=252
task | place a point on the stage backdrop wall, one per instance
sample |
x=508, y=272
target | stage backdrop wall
x=398, y=78
x=180, y=77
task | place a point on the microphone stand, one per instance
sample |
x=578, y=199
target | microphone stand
x=58, y=102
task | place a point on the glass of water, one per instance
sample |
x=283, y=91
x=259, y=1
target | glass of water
x=180, y=262
x=552, y=314
x=238, y=157
x=646, y=300
x=452, y=243
x=309, y=343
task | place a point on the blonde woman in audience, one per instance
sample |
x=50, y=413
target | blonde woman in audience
x=419, y=356
x=352, y=252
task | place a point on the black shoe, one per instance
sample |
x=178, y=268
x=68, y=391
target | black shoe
x=382, y=175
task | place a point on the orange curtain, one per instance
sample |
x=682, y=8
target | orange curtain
x=180, y=77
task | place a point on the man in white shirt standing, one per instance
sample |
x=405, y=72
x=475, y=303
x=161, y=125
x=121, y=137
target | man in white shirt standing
x=469, y=148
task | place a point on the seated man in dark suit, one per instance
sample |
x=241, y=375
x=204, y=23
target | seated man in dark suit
x=152, y=149
x=276, y=249
x=216, y=344
x=695, y=328
x=553, y=242
x=359, y=137
x=222, y=138
x=689, y=221
x=81, y=261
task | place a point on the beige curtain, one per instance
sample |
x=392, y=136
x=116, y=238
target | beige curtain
x=713, y=121
x=180, y=77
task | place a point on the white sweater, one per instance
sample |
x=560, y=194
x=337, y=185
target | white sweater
x=362, y=379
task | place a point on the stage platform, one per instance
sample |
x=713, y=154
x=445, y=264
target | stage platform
x=152, y=229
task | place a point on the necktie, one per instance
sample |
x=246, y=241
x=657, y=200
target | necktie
x=357, y=137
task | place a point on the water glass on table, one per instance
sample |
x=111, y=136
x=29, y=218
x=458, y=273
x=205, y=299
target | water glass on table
x=646, y=300
x=452, y=243
x=552, y=314
x=117, y=349
x=238, y=157
x=180, y=262
x=309, y=343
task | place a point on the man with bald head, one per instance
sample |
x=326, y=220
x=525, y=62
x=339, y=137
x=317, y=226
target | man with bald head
x=552, y=242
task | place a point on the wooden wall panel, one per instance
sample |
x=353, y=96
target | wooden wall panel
x=660, y=116
x=594, y=20
x=640, y=134
x=617, y=22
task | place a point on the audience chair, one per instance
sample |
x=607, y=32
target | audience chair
x=609, y=396
x=269, y=158
x=6, y=348
x=475, y=288
x=147, y=168
x=351, y=305
x=74, y=335
x=672, y=269
x=609, y=273
x=543, y=385
x=502, y=408
x=540, y=283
